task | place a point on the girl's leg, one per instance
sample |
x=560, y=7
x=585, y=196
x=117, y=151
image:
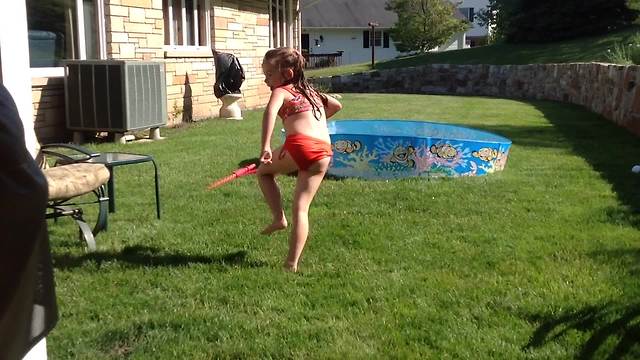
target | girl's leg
x=306, y=187
x=266, y=179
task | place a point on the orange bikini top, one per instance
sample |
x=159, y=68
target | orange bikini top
x=296, y=105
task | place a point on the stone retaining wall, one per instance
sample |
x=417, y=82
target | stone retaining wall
x=610, y=90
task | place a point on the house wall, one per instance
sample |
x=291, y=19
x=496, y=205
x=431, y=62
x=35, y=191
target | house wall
x=456, y=42
x=612, y=91
x=135, y=31
x=477, y=5
x=47, y=96
x=349, y=41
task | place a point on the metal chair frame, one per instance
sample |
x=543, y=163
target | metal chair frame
x=65, y=207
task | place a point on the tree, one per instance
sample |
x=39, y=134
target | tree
x=497, y=15
x=424, y=24
x=552, y=20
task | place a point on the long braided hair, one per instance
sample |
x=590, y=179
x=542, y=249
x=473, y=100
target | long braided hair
x=289, y=58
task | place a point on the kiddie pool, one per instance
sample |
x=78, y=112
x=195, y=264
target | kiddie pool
x=391, y=149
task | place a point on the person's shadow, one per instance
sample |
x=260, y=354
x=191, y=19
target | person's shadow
x=145, y=256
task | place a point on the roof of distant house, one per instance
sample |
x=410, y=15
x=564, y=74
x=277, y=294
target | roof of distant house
x=348, y=14
x=345, y=13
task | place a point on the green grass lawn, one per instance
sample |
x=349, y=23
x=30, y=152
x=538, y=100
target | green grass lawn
x=539, y=261
x=578, y=50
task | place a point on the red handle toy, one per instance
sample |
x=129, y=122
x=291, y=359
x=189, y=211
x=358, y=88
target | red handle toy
x=243, y=171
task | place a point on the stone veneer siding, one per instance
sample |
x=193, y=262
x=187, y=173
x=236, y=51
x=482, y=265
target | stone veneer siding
x=135, y=31
x=610, y=90
x=47, y=95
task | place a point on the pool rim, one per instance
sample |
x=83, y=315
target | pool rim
x=506, y=141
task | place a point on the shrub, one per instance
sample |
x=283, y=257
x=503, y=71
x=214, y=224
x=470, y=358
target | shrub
x=627, y=53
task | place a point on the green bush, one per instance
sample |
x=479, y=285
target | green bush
x=627, y=53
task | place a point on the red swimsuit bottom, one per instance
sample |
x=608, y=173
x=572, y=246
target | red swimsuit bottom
x=305, y=150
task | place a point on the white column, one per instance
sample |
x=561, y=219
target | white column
x=277, y=25
x=462, y=40
x=289, y=23
x=271, y=44
x=14, y=63
x=298, y=36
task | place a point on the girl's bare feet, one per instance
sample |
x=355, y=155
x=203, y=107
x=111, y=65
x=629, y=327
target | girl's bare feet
x=275, y=226
x=290, y=268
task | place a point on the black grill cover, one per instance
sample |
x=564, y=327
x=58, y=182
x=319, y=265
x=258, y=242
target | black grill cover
x=229, y=74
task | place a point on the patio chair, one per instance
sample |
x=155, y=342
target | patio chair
x=70, y=176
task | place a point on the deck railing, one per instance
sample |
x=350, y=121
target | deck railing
x=316, y=61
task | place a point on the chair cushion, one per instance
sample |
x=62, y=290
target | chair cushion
x=72, y=180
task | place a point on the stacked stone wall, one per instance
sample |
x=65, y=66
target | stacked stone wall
x=610, y=90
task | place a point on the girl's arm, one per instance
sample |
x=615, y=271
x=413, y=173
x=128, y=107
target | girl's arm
x=331, y=105
x=269, y=121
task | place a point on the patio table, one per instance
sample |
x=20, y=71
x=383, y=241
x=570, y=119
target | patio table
x=113, y=159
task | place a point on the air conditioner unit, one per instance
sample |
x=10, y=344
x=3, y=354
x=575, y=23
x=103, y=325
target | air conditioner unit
x=115, y=95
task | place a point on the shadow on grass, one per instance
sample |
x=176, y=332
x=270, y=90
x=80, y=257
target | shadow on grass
x=527, y=136
x=610, y=150
x=611, y=330
x=121, y=342
x=625, y=259
x=151, y=257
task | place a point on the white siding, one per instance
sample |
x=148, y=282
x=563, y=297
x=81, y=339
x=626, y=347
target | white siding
x=477, y=5
x=349, y=41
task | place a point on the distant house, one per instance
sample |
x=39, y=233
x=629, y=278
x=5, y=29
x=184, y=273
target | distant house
x=332, y=26
x=476, y=35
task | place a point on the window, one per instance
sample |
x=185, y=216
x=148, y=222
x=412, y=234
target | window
x=377, y=38
x=60, y=30
x=186, y=24
x=380, y=38
x=469, y=13
x=283, y=23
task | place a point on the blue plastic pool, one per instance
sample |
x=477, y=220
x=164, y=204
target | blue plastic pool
x=390, y=149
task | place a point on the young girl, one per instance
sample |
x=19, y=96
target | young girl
x=307, y=147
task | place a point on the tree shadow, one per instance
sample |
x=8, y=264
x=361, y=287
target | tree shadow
x=610, y=149
x=625, y=259
x=613, y=330
x=527, y=136
x=145, y=256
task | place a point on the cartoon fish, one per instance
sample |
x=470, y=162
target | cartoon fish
x=444, y=151
x=346, y=146
x=403, y=155
x=486, y=154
